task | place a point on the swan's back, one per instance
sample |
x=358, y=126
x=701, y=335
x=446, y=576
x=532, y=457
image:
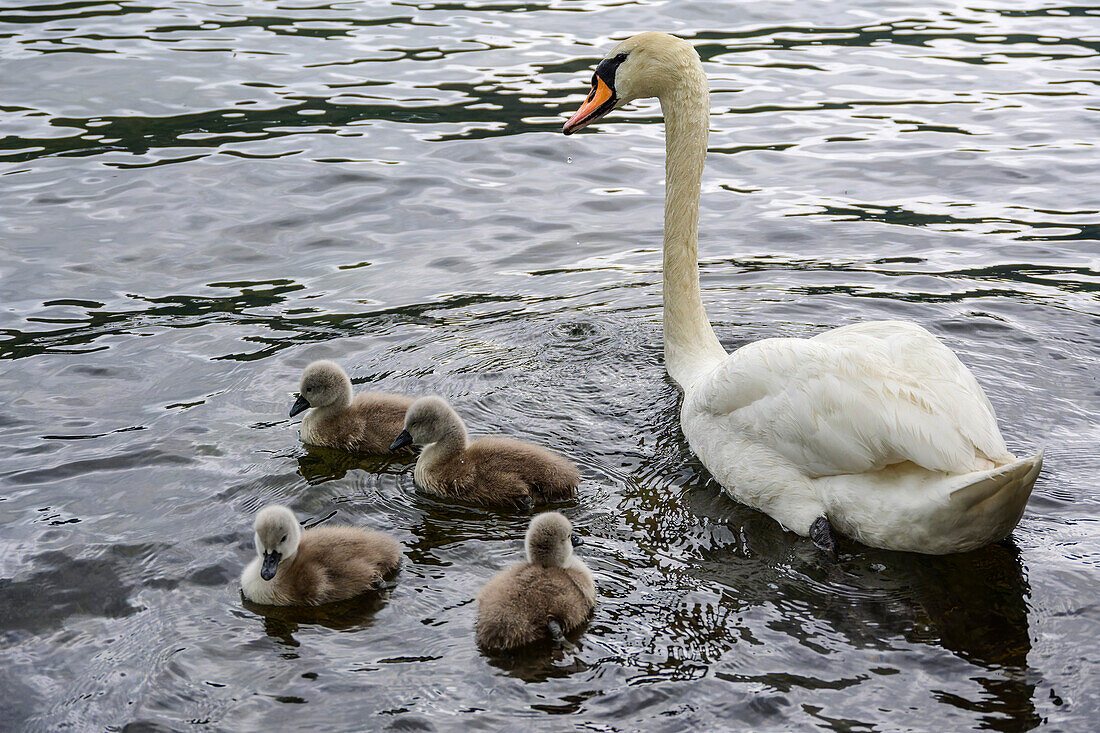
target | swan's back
x=855, y=400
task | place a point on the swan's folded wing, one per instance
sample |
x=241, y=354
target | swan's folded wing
x=856, y=399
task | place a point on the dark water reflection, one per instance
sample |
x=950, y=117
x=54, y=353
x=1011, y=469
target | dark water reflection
x=353, y=614
x=201, y=198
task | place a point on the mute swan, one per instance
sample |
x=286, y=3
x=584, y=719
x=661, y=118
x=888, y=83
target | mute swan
x=364, y=423
x=321, y=565
x=488, y=471
x=550, y=594
x=874, y=429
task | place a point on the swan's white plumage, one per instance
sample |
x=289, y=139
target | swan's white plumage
x=877, y=426
x=856, y=399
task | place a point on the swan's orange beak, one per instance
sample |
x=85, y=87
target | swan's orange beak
x=600, y=101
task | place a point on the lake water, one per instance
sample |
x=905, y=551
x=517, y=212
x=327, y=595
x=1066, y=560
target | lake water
x=199, y=198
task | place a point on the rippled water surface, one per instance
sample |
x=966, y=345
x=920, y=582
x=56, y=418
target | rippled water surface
x=199, y=198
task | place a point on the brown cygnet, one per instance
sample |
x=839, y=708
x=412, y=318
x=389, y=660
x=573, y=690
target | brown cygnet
x=544, y=598
x=307, y=568
x=363, y=423
x=487, y=471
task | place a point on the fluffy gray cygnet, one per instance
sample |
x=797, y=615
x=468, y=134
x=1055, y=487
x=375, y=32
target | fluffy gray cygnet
x=544, y=598
x=362, y=423
x=293, y=567
x=487, y=471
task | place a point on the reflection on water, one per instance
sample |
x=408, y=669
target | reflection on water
x=317, y=464
x=201, y=198
x=545, y=661
x=355, y=613
x=64, y=586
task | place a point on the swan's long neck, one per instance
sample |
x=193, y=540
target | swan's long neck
x=691, y=348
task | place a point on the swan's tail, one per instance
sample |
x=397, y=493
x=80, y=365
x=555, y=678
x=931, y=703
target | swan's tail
x=996, y=498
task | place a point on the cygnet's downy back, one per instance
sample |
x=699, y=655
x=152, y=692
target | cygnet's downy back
x=551, y=594
x=363, y=423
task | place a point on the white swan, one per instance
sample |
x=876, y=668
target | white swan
x=875, y=428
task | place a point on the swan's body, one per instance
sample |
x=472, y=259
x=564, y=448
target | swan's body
x=362, y=423
x=488, y=471
x=308, y=568
x=550, y=594
x=877, y=427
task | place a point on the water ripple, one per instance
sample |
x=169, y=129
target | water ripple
x=201, y=198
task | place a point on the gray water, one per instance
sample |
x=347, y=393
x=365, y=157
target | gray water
x=199, y=198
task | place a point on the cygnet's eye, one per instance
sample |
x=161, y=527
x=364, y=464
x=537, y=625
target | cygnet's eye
x=283, y=539
x=309, y=389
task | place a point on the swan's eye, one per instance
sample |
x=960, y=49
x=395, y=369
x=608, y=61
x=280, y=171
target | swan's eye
x=283, y=539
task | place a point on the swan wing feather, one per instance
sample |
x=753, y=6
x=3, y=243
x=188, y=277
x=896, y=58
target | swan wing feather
x=857, y=399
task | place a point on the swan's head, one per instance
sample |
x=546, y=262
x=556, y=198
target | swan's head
x=550, y=540
x=277, y=537
x=428, y=420
x=646, y=65
x=324, y=383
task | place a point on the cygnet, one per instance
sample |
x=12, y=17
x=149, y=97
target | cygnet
x=544, y=598
x=363, y=423
x=307, y=568
x=487, y=471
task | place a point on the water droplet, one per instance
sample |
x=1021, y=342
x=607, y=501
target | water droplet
x=569, y=159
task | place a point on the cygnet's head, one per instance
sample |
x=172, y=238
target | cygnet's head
x=550, y=540
x=646, y=65
x=428, y=419
x=277, y=536
x=324, y=383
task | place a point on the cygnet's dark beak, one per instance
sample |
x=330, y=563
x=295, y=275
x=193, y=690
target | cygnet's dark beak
x=401, y=440
x=270, y=566
x=300, y=405
x=576, y=540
